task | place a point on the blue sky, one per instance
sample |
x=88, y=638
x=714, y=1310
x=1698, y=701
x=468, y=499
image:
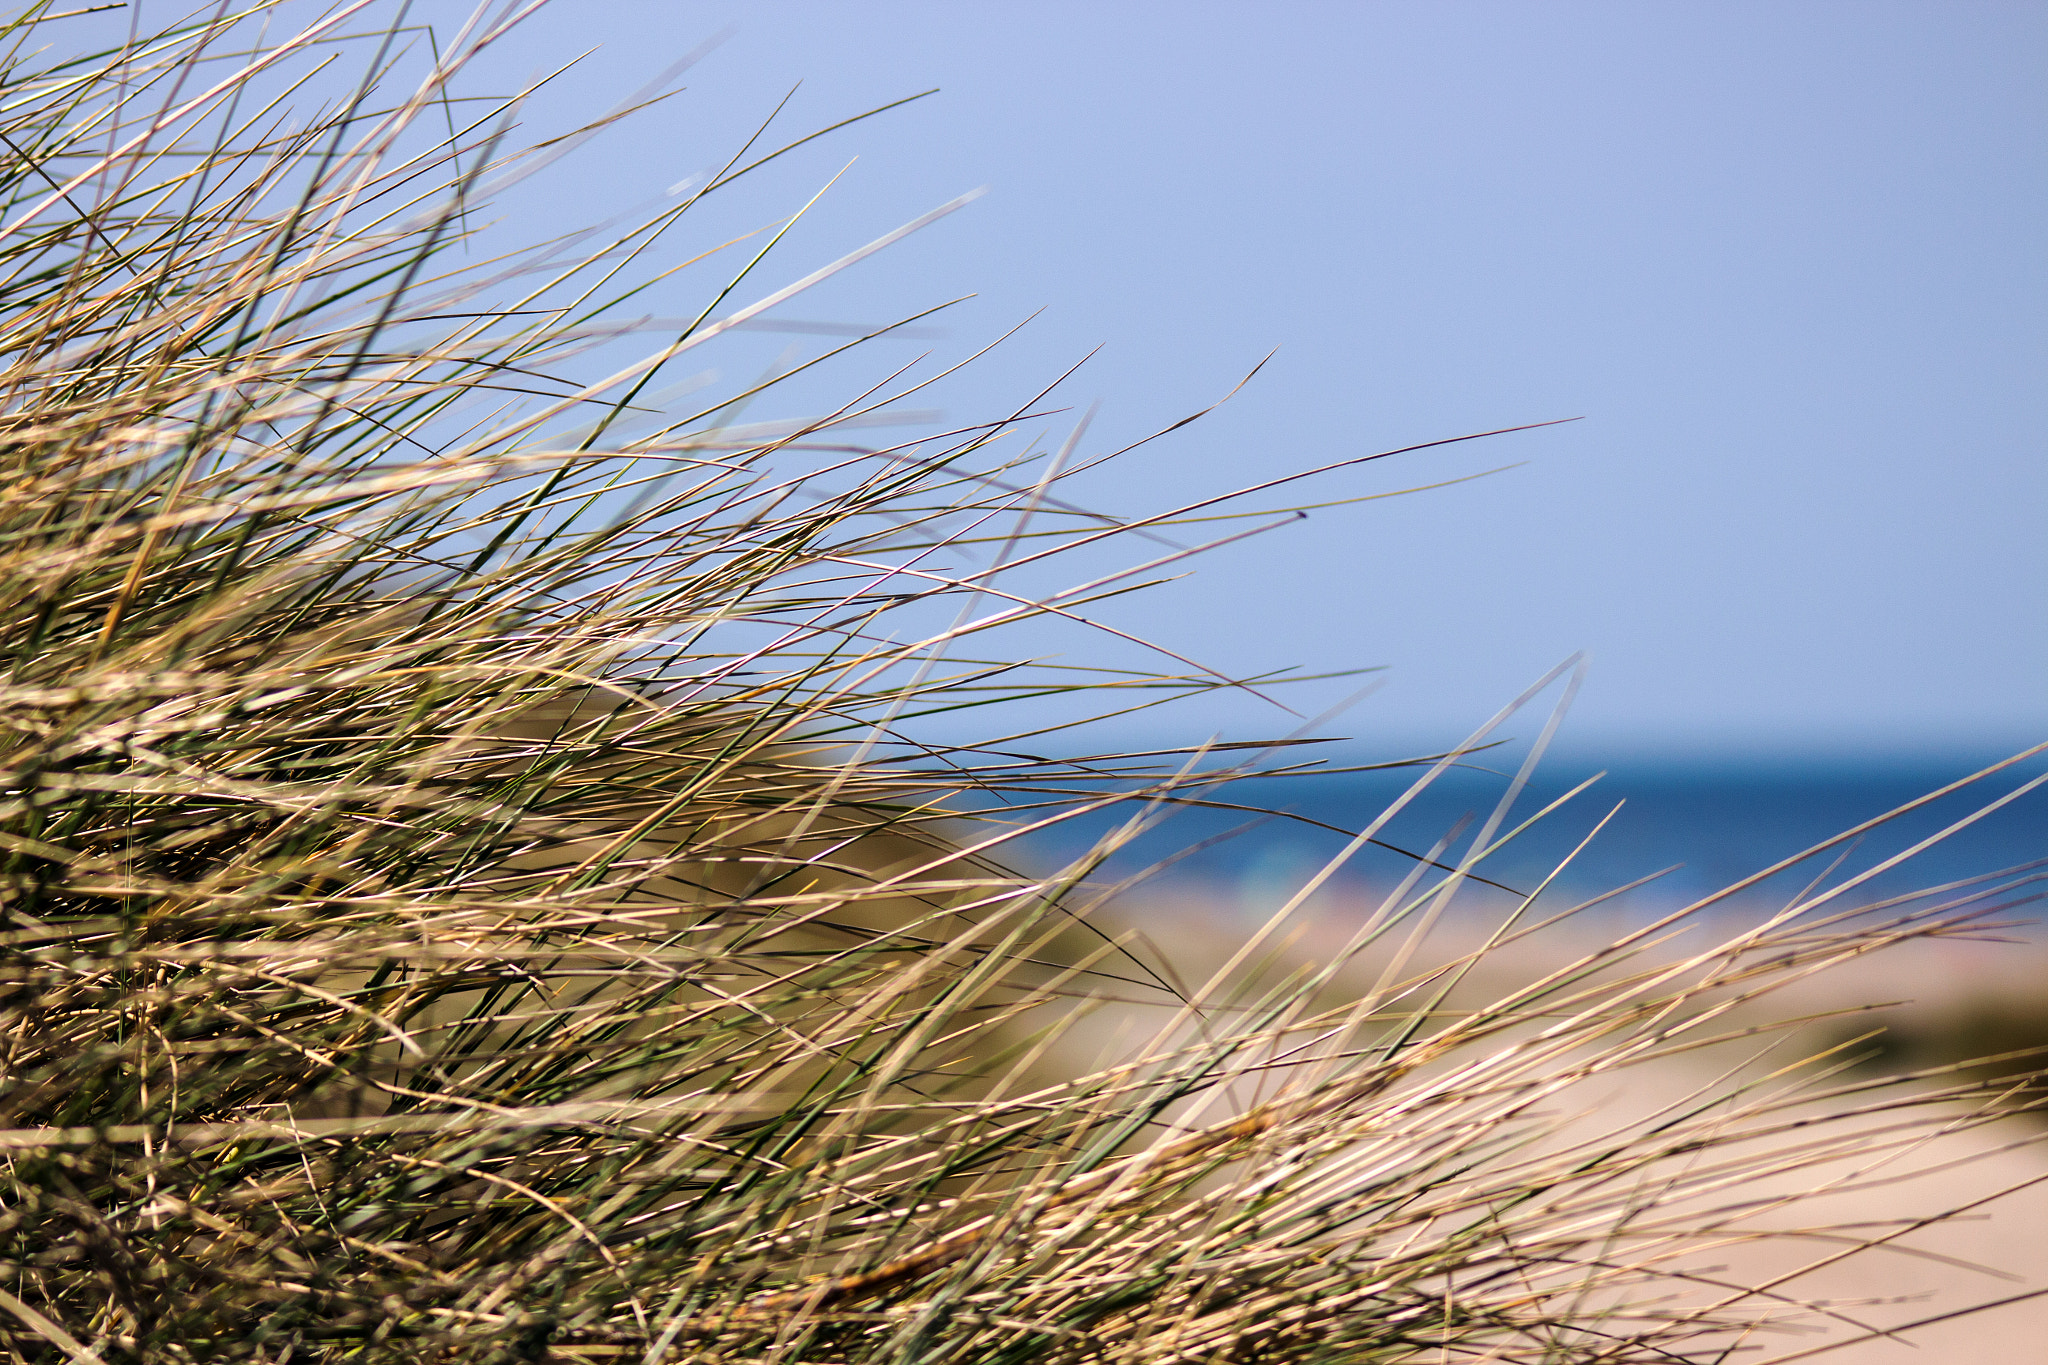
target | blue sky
x=1785, y=260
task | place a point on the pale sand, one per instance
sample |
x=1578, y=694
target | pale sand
x=1932, y=983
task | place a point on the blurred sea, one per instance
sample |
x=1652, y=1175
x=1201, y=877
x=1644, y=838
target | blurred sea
x=1710, y=821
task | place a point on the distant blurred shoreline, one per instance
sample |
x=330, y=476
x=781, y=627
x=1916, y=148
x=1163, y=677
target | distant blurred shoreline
x=1712, y=819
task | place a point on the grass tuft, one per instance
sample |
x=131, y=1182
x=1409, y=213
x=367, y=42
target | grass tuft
x=473, y=891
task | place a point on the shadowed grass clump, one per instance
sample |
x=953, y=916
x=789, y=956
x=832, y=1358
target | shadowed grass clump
x=469, y=894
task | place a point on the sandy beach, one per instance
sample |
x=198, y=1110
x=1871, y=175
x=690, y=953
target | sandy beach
x=1892, y=1304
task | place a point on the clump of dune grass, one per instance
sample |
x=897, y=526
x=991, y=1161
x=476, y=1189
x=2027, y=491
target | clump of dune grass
x=473, y=892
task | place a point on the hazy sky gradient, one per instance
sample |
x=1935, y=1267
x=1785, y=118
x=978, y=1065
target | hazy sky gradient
x=1786, y=260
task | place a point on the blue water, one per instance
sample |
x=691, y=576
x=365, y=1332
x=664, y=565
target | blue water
x=1713, y=821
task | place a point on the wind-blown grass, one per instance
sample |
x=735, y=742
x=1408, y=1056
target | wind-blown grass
x=472, y=891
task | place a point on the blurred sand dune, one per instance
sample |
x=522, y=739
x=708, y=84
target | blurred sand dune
x=1932, y=998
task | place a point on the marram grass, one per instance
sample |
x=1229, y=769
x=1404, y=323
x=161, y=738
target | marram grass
x=466, y=897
